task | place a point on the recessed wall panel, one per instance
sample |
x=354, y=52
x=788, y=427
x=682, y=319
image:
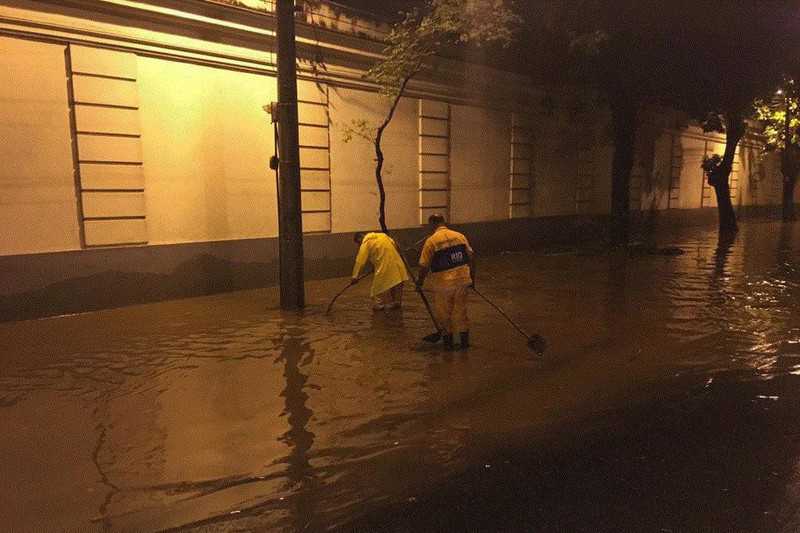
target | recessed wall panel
x=115, y=232
x=105, y=176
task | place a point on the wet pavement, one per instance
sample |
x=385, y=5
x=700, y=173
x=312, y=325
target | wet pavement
x=669, y=400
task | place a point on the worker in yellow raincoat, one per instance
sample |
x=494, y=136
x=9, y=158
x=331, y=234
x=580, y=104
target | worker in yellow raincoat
x=447, y=263
x=390, y=270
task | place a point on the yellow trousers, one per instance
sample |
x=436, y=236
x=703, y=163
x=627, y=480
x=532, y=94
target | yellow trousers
x=450, y=309
x=392, y=299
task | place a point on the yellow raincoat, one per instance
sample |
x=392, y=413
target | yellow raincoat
x=380, y=250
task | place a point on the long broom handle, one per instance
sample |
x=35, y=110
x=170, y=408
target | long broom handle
x=502, y=313
x=330, y=305
x=418, y=289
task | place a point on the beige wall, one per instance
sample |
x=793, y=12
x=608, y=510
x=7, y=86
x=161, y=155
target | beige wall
x=206, y=145
x=206, y=142
x=38, y=209
x=656, y=185
x=556, y=166
x=355, y=193
x=601, y=190
x=479, y=162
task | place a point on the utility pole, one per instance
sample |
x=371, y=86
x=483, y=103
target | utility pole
x=290, y=221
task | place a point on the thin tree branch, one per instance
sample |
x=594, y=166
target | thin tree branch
x=379, y=151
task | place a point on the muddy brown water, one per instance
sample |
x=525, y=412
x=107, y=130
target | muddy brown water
x=667, y=401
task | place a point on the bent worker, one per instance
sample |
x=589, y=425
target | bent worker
x=390, y=270
x=447, y=263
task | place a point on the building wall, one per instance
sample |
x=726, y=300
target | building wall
x=38, y=210
x=480, y=146
x=556, y=165
x=206, y=145
x=157, y=137
x=355, y=193
x=204, y=142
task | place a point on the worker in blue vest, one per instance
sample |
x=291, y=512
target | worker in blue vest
x=447, y=263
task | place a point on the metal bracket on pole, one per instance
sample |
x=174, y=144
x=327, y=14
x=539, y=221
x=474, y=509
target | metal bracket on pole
x=273, y=110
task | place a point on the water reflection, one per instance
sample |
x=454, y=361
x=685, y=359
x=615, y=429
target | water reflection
x=190, y=414
x=616, y=294
x=721, y=255
x=297, y=352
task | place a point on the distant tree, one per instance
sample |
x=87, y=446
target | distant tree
x=618, y=63
x=708, y=58
x=725, y=56
x=614, y=48
x=412, y=46
x=780, y=122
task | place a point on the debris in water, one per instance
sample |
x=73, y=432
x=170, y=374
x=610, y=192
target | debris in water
x=763, y=397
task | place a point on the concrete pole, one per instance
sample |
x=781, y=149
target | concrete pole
x=290, y=221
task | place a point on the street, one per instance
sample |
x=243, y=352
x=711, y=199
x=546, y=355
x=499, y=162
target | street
x=668, y=400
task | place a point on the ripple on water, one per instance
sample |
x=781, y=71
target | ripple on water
x=248, y=410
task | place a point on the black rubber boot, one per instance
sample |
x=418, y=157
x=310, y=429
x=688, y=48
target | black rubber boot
x=448, y=341
x=464, y=340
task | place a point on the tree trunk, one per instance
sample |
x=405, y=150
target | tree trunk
x=788, y=198
x=624, y=118
x=719, y=179
x=379, y=180
x=727, y=216
x=379, y=150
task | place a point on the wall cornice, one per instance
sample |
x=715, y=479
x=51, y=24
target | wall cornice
x=215, y=34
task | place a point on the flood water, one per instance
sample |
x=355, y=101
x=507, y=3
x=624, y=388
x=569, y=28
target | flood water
x=669, y=400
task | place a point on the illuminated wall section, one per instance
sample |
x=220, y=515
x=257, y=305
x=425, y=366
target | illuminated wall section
x=692, y=149
x=755, y=176
x=105, y=107
x=434, y=159
x=656, y=181
x=676, y=163
x=748, y=153
x=355, y=192
x=763, y=182
x=521, y=167
x=38, y=211
x=206, y=144
x=479, y=163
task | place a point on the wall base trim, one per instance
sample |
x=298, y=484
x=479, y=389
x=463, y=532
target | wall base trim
x=49, y=284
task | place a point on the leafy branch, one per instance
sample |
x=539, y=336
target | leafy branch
x=411, y=46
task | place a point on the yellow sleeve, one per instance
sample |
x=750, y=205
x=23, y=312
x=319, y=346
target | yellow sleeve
x=361, y=259
x=427, y=254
